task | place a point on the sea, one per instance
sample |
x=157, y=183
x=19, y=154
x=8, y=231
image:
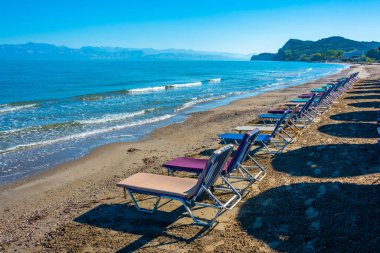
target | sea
x=52, y=112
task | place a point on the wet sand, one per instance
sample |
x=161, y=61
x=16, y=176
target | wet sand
x=330, y=172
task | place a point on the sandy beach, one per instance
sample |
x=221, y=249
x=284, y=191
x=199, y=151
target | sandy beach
x=321, y=193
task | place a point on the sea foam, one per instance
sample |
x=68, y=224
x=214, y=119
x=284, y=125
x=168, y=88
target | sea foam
x=85, y=134
x=10, y=108
x=183, y=85
x=163, y=87
x=215, y=80
x=114, y=117
x=196, y=101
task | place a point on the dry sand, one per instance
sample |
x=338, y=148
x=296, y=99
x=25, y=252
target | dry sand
x=321, y=194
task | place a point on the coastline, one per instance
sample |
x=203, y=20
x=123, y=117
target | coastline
x=54, y=169
x=93, y=177
x=50, y=163
x=35, y=144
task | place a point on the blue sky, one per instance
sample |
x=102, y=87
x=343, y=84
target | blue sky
x=238, y=26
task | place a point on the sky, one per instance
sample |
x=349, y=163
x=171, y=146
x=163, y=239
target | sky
x=237, y=26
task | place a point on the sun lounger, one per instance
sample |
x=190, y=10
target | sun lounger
x=263, y=140
x=287, y=125
x=236, y=164
x=185, y=190
x=303, y=115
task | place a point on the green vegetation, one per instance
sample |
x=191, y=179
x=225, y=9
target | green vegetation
x=329, y=49
x=374, y=54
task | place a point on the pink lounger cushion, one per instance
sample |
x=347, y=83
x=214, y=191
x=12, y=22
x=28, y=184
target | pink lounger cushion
x=160, y=184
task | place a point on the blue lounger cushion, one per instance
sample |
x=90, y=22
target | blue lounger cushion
x=231, y=136
x=318, y=90
x=239, y=137
x=270, y=116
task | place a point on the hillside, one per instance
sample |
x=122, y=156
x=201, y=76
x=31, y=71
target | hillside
x=42, y=51
x=329, y=49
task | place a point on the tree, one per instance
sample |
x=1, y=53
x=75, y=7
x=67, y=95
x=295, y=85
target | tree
x=317, y=57
x=374, y=54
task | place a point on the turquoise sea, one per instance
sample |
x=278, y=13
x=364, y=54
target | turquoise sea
x=56, y=111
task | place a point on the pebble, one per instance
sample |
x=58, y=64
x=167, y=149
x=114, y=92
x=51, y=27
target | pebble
x=314, y=225
x=322, y=191
x=267, y=202
x=308, y=201
x=274, y=244
x=258, y=222
x=309, y=247
x=311, y=213
x=321, y=147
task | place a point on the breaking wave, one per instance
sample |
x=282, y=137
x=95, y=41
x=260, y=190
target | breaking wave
x=163, y=87
x=114, y=117
x=215, y=80
x=85, y=134
x=196, y=101
x=12, y=108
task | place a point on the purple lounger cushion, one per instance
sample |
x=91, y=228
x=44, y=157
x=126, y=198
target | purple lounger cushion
x=278, y=111
x=309, y=95
x=188, y=164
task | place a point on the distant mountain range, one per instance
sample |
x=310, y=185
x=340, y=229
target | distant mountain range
x=42, y=51
x=328, y=49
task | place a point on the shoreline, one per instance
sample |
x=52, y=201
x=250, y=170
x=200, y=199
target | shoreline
x=52, y=169
x=91, y=180
x=29, y=155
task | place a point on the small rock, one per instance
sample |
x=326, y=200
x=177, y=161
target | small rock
x=314, y=225
x=321, y=147
x=308, y=201
x=258, y=222
x=284, y=228
x=311, y=213
x=274, y=244
x=131, y=150
x=322, y=191
x=267, y=202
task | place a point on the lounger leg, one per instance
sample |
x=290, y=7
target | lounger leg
x=199, y=221
x=143, y=209
x=229, y=204
x=256, y=162
x=249, y=176
x=262, y=172
x=289, y=136
x=266, y=147
x=170, y=172
x=218, y=204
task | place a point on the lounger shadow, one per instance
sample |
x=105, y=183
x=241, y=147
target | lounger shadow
x=350, y=130
x=363, y=97
x=372, y=104
x=360, y=116
x=185, y=190
x=125, y=219
x=315, y=217
x=329, y=161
